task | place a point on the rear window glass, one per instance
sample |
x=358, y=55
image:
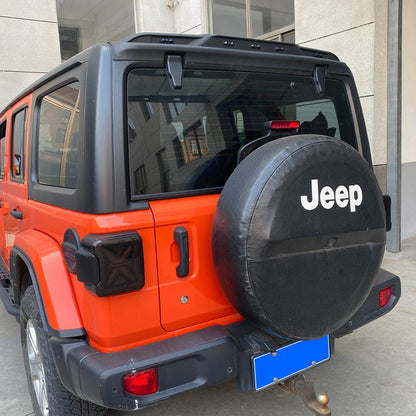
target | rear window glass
x=188, y=139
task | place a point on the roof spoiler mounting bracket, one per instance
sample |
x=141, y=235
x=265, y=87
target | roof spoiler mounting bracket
x=174, y=70
x=319, y=76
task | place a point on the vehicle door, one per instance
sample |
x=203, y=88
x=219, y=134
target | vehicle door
x=3, y=138
x=178, y=161
x=15, y=215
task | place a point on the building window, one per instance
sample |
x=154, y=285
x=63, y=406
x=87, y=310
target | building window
x=69, y=42
x=83, y=23
x=269, y=19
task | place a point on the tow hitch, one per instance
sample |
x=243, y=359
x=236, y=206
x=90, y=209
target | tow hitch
x=298, y=386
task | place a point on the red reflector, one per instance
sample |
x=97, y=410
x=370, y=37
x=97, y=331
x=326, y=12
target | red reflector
x=141, y=383
x=384, y=296
x=284, y=125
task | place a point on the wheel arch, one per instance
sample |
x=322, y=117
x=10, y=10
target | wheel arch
x=41, y=264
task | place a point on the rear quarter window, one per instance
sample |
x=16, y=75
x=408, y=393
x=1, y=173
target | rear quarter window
x=58, y=137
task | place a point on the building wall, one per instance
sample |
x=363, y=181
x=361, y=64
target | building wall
x=29, y=44
x=359, y=38
x=318, y=25
x=172, y=16
x=408, y=119
x=98, y=20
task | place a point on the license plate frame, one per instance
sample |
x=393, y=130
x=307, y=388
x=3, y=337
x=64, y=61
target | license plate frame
x=288, y=361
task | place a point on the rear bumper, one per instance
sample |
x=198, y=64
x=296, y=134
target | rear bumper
x=209, y=356
x=370, y=310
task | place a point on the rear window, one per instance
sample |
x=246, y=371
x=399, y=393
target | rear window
x=188, y=139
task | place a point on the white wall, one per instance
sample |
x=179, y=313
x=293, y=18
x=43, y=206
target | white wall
x=346, y=28
x=29, y=44
x=409, y=82
x=185, y=16
x=408, y=119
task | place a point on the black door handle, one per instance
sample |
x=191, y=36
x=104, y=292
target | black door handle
x=180, y=235
x=16, y=213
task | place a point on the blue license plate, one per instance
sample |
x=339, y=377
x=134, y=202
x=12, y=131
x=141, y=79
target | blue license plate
x=289, y=360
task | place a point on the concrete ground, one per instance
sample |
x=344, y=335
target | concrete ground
x=373, y=371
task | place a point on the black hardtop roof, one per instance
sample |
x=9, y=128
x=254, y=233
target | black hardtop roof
x=168, y=40
x=230, y=42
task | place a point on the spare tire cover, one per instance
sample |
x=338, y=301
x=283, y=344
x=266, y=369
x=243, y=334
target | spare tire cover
x=298, y=235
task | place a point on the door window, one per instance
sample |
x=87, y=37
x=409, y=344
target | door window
x=2, y=147
x=19, y=125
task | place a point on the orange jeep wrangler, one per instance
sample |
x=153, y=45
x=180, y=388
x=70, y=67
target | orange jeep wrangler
x=179, y=211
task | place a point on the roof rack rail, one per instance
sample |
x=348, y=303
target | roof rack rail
x=230, y=42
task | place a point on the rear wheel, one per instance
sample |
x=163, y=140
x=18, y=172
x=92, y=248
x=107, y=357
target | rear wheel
x=49, y=396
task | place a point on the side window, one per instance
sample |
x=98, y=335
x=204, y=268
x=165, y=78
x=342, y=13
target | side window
x=2, y=147
x=58, y=137
x=18, y=145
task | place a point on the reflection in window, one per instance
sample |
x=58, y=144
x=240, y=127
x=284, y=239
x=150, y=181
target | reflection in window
x=172, y=110
x=191, y=145
x=140, y=180
x=59, y=137
x=18, y=144
x=148, y=110
x=163, y=170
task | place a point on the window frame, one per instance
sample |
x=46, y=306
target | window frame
x=68, y=198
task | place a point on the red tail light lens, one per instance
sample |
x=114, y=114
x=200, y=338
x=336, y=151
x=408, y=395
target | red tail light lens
x=384, y=296
x=141, y=383
x=284, y=125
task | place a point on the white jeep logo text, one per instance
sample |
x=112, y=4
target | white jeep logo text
x=342, y=196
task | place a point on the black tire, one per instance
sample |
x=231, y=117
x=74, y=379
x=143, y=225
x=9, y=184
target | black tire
x=55, y=400
x=294, y=263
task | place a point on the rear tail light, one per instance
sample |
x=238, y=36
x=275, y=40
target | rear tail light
x=141, y=383
x=109, y=264
x=384, y=296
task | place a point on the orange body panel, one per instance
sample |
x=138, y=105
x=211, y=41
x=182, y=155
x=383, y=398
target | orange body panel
x=131, y=319
x=53, y=278
x=155, y=312
x=197, y=297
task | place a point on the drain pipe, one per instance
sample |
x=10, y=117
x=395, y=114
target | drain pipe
x=394, y=121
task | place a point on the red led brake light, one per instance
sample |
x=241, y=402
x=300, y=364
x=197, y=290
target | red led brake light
x=284, y=125
x=141, y=383
x=384, y=296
